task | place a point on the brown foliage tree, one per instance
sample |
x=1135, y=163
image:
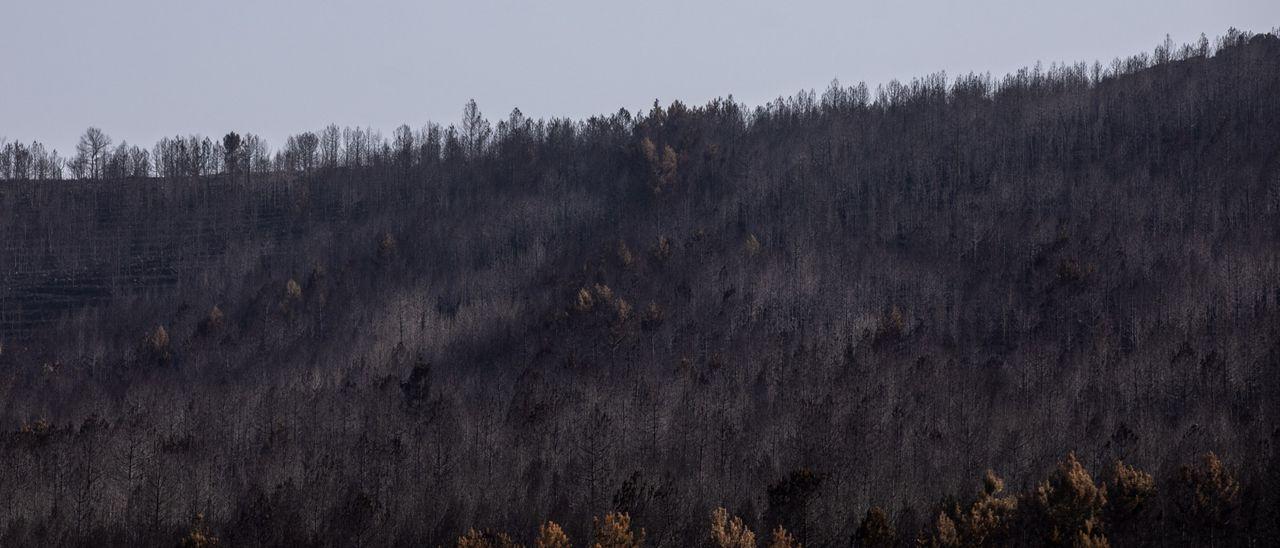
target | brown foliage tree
x=1069, y=505
x=782, y=539
x=550, y=535
x=1130, y=492
x=486, y=539
x=875, y=529
x=1205, y=498
x=662, y=164
x=199, y=535
x=987, y=521
x=790, y=499
x=730, y=533
x=614, y=531
x=156, y=348
x=945, y=533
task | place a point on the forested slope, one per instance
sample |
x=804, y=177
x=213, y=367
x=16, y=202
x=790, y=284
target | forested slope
x=854, y=299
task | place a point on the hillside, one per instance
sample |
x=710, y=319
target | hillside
x=391, y=341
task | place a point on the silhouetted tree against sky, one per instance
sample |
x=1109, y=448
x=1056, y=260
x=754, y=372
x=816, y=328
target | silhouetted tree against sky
x=90, y=152
x=475, y=129
x=231, y=152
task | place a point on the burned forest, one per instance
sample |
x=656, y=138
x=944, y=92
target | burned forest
x=1040, y=308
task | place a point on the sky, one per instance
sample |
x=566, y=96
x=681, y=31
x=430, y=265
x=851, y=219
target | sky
x=144, y=69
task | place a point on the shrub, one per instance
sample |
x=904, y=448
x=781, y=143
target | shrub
x=730, y=533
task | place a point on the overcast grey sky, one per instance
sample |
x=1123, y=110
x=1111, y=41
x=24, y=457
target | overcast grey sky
x=142, y=69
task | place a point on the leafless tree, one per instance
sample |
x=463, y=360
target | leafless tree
x=91, y=151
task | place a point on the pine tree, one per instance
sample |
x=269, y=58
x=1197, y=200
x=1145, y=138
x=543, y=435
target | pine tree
x=292, y=298
x=199, y=535
x=875, y=529
x=1205, y=499
x=751, y=245
x=991, y=515
x=663, y=165
x=730, y=533
x=417, y=388
x=1070, y=505
x=156, y=348
x=487, y=539
x=987, y=521
x=1130, y=493
x=550, y=535
x=214, y=322
x=782, y=539
x=614, y=531
x=944, y=534
x=790, y=499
